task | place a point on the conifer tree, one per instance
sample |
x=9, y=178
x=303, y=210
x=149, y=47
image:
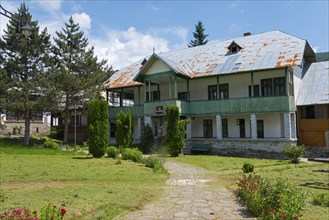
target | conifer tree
x=25, y=68
x=199, y=36
x=80, y=72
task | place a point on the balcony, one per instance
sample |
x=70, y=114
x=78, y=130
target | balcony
x=212, y=107
x=137, y=111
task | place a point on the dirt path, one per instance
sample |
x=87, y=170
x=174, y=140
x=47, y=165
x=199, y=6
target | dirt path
x=187, y=196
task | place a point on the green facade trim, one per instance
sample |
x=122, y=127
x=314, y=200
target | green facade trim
x=213, y=107
x=137, y=111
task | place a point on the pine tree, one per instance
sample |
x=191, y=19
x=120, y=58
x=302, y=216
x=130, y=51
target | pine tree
x=199, y=36
x=80, y=74
x=27, y=66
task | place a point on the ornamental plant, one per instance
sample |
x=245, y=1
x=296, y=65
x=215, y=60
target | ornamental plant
x=132, y=154
x=271, y=199
x=293, y=153
x=248, y=167
x=53, y=212
x=112, y=152
x=98, y=124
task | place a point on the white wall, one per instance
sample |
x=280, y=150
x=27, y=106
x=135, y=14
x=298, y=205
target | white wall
x=157, y=67
x=197, y=125
x=272, y=124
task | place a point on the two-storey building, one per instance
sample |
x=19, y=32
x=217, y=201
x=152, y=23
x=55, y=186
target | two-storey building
x=240, y=94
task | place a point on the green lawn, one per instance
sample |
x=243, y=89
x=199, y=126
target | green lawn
x=227, y=170
x=93, y=188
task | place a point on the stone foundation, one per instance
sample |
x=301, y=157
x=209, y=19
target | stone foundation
x=35, y=128
x=262, y=148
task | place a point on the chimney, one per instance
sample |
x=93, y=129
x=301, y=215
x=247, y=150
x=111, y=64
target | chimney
x=246, y=34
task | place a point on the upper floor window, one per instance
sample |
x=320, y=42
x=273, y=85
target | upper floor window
x=256, y=91
x=183, y=96
x=155, y=96
x=266, y=87
x=212, y=92
x=223, y=91
x=279, y=86
x=233, y=48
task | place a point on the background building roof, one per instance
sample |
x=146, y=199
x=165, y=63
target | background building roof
x=315, y=85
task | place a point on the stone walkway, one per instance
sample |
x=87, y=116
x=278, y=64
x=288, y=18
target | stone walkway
x=187, y=196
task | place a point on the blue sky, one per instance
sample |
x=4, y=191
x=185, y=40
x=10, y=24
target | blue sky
x=126, y=31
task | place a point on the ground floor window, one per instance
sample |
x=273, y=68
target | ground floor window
x=224, y=128
x=207, y=128
x=260, y=128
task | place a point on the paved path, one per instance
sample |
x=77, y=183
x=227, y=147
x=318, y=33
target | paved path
x=187, y=196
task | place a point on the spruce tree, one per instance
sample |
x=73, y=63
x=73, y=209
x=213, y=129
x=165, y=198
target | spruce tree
x=80, y=73
x=25, y=68
x=199, y=36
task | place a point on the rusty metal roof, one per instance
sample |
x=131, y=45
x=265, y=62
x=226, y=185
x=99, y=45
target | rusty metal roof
x=315, y=85
x=268, y=50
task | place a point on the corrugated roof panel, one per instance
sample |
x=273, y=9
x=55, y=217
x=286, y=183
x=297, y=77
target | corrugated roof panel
x=315, y=85
x=268, y=50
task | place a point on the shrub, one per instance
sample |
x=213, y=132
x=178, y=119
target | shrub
x=247, y=167
x=321, y=200
x=53, y=212
x=293, y=152
x=112, y=152
x=49, y=144
x=125, y=129
x=56, y=134
x=98, y=124
x=155, y=163
x=271, y=199
x=147, y=139
x=132, y=154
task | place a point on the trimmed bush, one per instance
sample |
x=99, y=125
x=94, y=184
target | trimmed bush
x=293, y=153
x=271, y=199
x=112, y=152
x=247, y=167
x=155, y=163
x=132, y=154
x=147, y=139
x=49, y=144
x=98, y=124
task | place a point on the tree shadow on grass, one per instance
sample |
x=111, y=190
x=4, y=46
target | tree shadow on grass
x=316, y=185
x=82, y=158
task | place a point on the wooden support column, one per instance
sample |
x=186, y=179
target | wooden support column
x=170, y=87
x=150, y=91
x=175, y=88
x=217, y=92
x=188, y=89
x=145, y=87
x=287, y=81
x=121, y=97
x=252, y=84
x=139, y=95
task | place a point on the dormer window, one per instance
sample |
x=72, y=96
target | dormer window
x=233, y=48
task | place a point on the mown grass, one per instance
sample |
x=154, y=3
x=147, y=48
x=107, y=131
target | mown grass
x=227, y=170
x=93, y=188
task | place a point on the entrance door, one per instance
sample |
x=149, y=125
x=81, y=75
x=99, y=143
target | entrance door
x=260, y=129
x=207, y=128
x=242, y=128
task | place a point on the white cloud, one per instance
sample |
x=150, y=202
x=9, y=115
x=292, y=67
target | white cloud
x=84, y=21
x=173, y=34
x=315, y=49
x=49, y=5
x=123, y=47
x=11, y=7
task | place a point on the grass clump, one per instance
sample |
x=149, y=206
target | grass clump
x=155, y=163
x=112, y=152
x=321, y=199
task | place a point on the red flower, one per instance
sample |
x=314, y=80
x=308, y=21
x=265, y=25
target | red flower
x=63, y=211
x=296, y=217
x=272, y=209
x=282, y=215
